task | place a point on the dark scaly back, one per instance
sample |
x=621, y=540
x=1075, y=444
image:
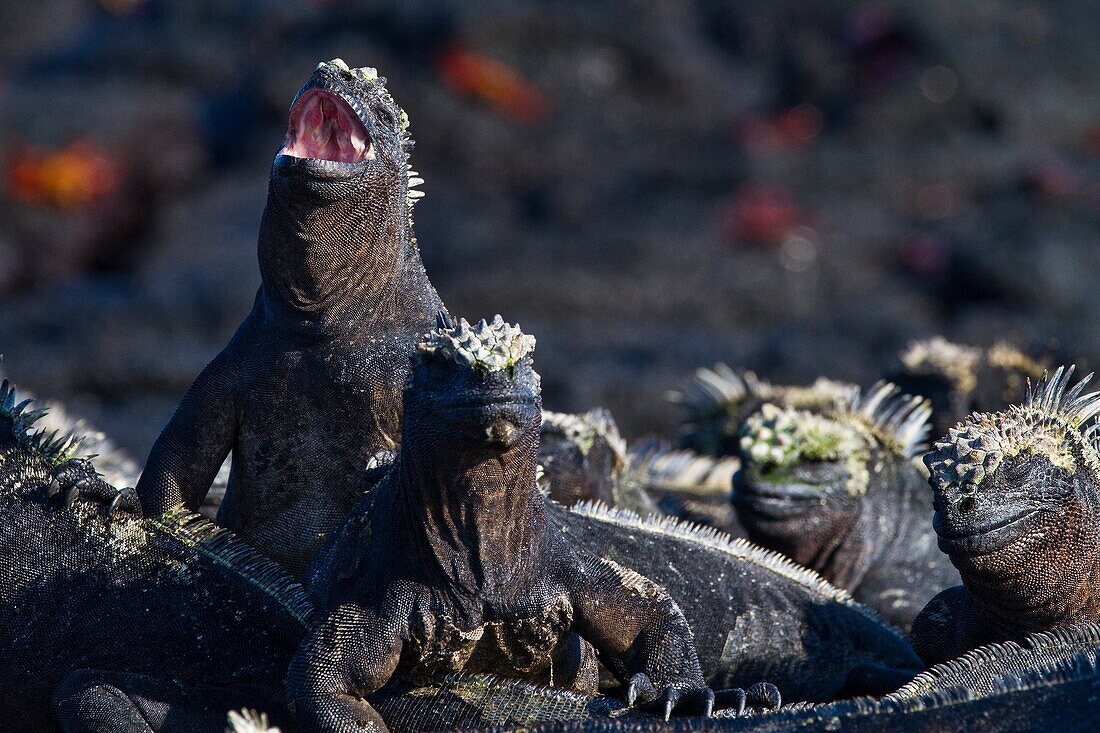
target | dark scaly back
x=755, y=614
x=147, y=596
x=1046, y=682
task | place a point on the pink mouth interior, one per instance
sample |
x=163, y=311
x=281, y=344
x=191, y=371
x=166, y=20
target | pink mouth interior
x=324, y=127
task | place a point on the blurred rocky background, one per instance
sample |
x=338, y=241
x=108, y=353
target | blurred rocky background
x=795, y=187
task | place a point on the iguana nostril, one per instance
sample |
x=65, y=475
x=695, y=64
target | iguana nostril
x=967, y=504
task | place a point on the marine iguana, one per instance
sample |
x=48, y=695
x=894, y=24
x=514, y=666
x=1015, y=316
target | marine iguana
x=309, y=388
x=1017, y=509
x=450, y=563
x=694, y=482
x=584, y=458
x=1047, y=681
x=839, y=493
x=959, y=379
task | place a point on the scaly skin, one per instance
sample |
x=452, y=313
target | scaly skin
x=451, y=565
x=1017, y=506
x=122, y=597
x=839, y=493
x=117, y=624
x=584, y=458
x=309, y=388
x=959, y=379
x=1048, y=682
x=755, y=614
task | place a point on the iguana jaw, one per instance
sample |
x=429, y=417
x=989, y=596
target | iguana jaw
x=323, y=127
x=993, y=534
x=782, y=496
x=331, y=131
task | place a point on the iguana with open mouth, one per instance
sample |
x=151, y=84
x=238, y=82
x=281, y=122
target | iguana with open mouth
x=1017, y=510
x=839, y=493
x=308, y=391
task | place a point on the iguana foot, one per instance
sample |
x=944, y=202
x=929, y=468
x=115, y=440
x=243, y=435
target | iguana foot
x=77, y=477
x=641, y=692
x=762, y=695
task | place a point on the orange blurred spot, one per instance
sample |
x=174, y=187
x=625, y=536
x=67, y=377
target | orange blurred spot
x=76, y=175
x=761, y=214
x=494, y=83
x=790, y=130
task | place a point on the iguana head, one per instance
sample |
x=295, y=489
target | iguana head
x=583, y=457
x=804, y=475
x=717, y=402
x=1016, y=495
x=477, y=384
x=959, y=379
x=338, y=215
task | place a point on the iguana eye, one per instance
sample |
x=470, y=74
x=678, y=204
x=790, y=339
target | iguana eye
x=385, y=115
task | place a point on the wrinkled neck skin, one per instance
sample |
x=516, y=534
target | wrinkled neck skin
x=332, y=255
x=474, y=514
x=1046, y=579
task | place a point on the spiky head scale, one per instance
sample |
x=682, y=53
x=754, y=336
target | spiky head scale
x=957, y=363
x=883, y=419
x=487, y=347
x=1054, y=422
x=55, y=447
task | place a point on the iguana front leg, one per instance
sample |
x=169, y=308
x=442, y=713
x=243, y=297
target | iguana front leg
x=642, y=636
x=352, y=654
x=191, y=448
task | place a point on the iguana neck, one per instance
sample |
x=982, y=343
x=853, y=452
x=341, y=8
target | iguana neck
x=475, y=517
x=331, y=264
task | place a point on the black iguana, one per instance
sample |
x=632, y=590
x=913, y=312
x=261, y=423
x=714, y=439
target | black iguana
x=584, y=458
x=450, y=563
x=840, y=493
x=1017, y=509
x=959, y=379
x=693, y=481
x=309, y=388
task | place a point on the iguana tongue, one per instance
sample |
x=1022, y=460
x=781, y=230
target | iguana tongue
x=322, y=126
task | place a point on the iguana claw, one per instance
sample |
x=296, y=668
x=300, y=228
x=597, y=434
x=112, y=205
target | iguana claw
x=70, y=497
x=640, y=690
x=126, y=500
x=761, y=695
x=78, y=478
x=642, y=693
x=765, y=695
